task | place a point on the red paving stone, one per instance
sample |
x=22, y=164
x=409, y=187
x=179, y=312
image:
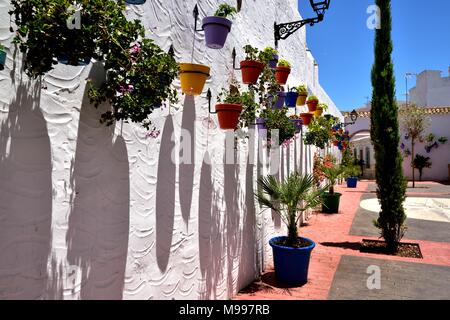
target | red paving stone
x=331, y=234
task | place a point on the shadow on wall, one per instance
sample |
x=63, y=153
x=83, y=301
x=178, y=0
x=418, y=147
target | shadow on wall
x=97, y=238
x=211, y=241
x=165, y=197
x=186, y=170
x=25, y=197
x=232, y=218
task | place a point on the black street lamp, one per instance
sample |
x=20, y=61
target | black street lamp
x=284, y=30
x=353, y=118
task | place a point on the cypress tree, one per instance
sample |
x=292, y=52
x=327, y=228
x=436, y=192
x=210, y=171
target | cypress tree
x=386, y=136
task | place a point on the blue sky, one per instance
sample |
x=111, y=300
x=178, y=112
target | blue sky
x=343, y=45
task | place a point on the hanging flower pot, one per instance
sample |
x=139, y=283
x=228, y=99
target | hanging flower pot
x=64, y=59
x=135, y=1
x=282, y=74
x=273, y=62
x=250, y=71
x=2, y=59
x=193, y=78
x=301, y=100
x=228, y=115
x=336, y=143
x=216, y=31
x=312, y=103
x=318, y=112
x=291, y=99
x=261, y=124
x=306, y=117
x=297, y=124
x=279, y=103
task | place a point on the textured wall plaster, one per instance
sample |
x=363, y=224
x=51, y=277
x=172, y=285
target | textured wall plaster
x=90, y=212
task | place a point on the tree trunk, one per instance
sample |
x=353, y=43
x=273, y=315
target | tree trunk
x=292, y=234
x=420, y=174
x=412, y=163
x=331, y=190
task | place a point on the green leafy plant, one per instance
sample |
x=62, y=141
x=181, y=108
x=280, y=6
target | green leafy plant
x=225, y=10
x=289, y=199
x=312, y=98
x=284, y=63
x=43, y=35
x=2, y=47
x=351, y=170
x=137, y=81
x=386, y=136
x=251, y=53
x=267, y=54
x=420, y=162
x=332, y=173
x=277, y=119
x=319, y=131
x=414, y=123
x=431, y=137
x=443, y=140
x=301, y=89
x=323, y=106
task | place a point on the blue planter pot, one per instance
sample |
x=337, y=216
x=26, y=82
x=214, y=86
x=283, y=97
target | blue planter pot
x=2, y=59
x=291, y=264
x=352, y=182
x=273, y=62
x=291, y=99
x=135, y=1
x=64, y=59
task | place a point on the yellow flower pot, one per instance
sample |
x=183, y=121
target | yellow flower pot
x=193, y=78
x=301, y=100
x=318, y=112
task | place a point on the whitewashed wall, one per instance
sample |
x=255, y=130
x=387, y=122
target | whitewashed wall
x=89, y=212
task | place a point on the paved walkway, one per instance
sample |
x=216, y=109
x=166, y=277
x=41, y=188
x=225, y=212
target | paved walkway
x=333, y=241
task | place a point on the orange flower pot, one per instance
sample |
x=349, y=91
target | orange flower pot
x=312, y=105
x=301, y=100
x=282, y=74
x=193, y=78
x=306, y=117
x=251, y=71
x=228, y=115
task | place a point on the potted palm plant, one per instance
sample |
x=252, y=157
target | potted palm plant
x=251, y=68
x=218, y=26
x=302, y=95
x=2, y=57
x=312, y=103
x=289, y=199
x=331, y=199
x=282, y=71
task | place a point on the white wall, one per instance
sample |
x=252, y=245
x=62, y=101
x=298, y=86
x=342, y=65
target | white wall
x=432, y=89
x=89, y=212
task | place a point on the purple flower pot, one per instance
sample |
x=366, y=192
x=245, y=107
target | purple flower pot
x=297, y=124
x=216, y=31
x=273, y=62
x=135, y=1
x=280, y=101
x=260, y=124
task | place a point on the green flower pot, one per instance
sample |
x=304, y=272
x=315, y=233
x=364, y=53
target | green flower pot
x=331, y=202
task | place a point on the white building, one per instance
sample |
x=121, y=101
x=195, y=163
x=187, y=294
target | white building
x=432, y=92
x=92, y=212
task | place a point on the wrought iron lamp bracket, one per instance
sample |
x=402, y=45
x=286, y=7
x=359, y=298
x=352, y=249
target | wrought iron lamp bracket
x=196, y=19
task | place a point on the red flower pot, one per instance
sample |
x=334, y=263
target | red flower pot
x=228, y=115
x=251, y=71
x=312, y=105
x=335, y=143
x=282, y=74
x=306, y=117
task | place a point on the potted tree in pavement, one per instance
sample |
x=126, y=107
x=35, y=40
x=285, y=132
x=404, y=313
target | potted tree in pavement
x=331, y=199
x=420, y=162
x=289, y=199
x=413, y=122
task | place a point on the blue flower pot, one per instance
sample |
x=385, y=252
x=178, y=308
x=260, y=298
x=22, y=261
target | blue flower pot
x=352, y=182
x=64, y=59
x=291, y=99
x=273, y=62
x=291, y=264
x=2, y=59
